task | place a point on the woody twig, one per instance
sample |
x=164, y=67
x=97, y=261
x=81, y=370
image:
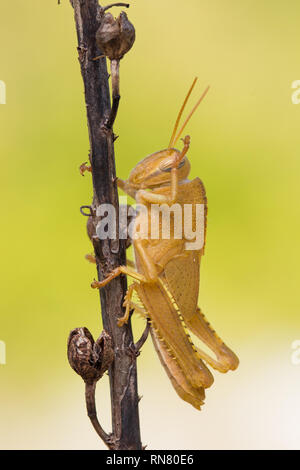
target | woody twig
x=100, y=35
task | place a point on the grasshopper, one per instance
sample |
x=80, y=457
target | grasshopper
x=166, y=275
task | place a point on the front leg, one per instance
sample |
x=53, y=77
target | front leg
x=126, y=188
x=147, y=197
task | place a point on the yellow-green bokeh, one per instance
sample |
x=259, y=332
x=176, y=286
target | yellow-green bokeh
x=244, y=146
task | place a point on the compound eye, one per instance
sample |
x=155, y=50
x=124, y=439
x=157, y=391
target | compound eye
x=169, y=168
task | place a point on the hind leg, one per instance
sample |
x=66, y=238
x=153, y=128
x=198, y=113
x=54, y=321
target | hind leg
x=226, y=359
x=181, y=384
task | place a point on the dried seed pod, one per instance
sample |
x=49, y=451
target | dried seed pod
x=115, y=36
x=88, y=358
x=104, y=345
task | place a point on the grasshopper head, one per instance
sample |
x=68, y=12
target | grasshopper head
x=155, y=170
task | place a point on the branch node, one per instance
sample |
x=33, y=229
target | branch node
x=82, y=50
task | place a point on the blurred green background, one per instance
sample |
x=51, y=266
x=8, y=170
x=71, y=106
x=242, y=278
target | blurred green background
x=245, y=147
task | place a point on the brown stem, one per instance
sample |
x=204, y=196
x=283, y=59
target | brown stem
x=140, y=343
x=109, y=253
x=119, y=4
x=90, y=400
x=115, y=85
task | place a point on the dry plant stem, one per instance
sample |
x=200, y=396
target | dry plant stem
x=143, y=338
x=119, y=4
x=115, y=85
x=109, y=253
x=90, y=389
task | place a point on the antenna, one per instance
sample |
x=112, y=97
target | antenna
x=189, y=116
x=181, y=111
